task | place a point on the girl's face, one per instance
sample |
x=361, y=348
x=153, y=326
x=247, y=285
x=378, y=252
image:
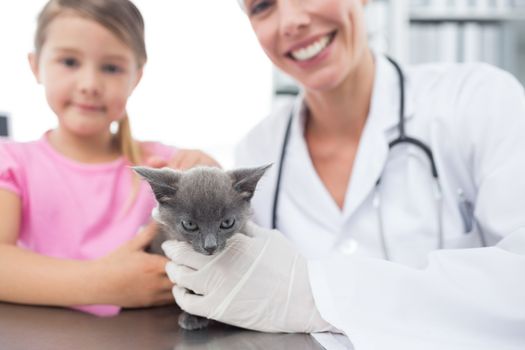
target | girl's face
x=87, y=72
x=317, y=42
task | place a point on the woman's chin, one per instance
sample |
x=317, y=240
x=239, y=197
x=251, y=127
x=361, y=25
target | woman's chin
x=321, y=83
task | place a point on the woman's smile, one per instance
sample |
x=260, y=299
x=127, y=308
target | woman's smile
x=311, y=48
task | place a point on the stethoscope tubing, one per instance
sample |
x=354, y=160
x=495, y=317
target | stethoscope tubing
x=284, y=148
x=401, y=139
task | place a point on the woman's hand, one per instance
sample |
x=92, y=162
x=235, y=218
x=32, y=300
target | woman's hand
x=259, y=281
x=131, y=277
x=183, y=159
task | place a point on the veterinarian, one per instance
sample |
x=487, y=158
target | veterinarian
x=397, y=195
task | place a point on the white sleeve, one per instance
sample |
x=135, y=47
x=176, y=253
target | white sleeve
x=493, y=113
x=262, y=144
x=464, y=299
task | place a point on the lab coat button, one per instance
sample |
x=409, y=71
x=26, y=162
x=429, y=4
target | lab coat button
x=348, y=247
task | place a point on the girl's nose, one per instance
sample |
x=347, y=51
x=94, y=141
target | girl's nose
x=294, y=17
x=89, y=82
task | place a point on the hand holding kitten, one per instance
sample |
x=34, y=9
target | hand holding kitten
x=259, y=281
x=132, y=277
x=203, y=206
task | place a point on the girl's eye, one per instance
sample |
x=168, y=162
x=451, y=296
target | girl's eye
x=189, y=226
x=111, y=68
x=228, y=223
x=70, y=62
x=258, y=7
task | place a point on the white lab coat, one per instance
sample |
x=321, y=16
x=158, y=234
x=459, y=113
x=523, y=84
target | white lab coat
x=473, y=118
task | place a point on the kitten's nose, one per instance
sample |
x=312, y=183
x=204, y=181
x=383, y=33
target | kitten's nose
x=210, y=250
x=210, y=243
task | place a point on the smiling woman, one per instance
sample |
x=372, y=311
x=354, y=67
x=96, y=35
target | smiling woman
x=279, y=26
x=432, y=221
x=223, y=67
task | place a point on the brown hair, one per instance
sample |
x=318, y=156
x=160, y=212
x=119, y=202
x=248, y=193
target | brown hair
x=120, y=17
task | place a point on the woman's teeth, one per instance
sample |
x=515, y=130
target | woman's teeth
x=311, y=50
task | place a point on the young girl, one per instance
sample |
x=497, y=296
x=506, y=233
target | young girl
x=70, y=207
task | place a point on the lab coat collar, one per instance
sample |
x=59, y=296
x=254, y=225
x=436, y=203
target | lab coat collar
x=380, y=129
x=385, y=104
x=372, y=152
x=298, y=158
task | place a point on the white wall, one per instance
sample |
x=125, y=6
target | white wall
x=206, y=83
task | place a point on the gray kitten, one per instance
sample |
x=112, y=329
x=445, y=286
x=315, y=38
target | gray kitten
x=203, y=206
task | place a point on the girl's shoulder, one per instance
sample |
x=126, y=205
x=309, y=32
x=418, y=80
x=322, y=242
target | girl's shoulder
x=16, y=161
x=18, y=152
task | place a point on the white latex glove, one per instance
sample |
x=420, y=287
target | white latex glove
x=258, y=282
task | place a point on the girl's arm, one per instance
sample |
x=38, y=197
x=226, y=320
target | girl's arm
x=127, y=277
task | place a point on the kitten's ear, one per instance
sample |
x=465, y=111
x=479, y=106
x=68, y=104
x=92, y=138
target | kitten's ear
x=163, y=181
x=245, y=180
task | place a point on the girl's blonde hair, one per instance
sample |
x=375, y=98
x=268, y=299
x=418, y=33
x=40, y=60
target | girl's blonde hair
x=120, y=17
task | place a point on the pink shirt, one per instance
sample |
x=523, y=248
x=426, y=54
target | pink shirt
x=74, y=210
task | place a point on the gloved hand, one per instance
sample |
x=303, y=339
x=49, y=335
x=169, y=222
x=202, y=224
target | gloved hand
x=258, y=282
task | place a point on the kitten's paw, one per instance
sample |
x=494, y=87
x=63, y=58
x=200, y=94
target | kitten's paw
x=192, y=322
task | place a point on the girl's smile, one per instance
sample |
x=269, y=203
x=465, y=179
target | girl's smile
x=88, y=108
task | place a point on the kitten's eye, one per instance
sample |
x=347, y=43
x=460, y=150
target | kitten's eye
x=189, y=225
x=228, y=223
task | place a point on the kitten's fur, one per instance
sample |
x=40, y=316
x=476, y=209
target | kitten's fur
x=203, y=206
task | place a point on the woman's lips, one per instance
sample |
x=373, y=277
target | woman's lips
x=306, y=52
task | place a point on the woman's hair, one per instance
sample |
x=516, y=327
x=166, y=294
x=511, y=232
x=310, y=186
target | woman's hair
x=242, y=5
x=120, y=17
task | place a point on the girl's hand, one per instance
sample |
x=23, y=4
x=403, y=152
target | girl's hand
x=183, y=159
x=131, y=277
x=189, y=158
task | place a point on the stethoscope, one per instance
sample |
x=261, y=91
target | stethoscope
x=401, y=139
